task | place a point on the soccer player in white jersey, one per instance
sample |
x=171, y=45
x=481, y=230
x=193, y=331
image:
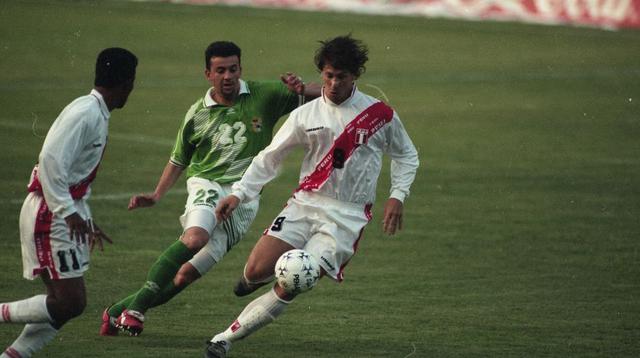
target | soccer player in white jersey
x=344, y=135
x=219, y=137
x=57, y=231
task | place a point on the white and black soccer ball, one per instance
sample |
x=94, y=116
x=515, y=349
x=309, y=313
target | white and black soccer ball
x=297, y=271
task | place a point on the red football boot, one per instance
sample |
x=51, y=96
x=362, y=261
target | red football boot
x=108, y=327
x=131, y=322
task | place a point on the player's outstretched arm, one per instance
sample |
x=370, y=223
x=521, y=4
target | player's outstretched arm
x=226, y=206
x=169, y=176
x=392, y=220
x=295, y=84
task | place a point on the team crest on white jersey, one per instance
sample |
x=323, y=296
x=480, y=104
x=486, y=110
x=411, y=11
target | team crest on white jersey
x=362, y=134
x=256, y=124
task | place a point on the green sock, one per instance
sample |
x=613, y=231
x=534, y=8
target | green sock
x=116, y=309
x=161, y=275
x=164, y=296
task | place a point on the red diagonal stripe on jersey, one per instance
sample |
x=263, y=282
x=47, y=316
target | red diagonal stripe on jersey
x=6, y=315
x=371, y=120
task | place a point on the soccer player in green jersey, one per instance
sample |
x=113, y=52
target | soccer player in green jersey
x=219, y=137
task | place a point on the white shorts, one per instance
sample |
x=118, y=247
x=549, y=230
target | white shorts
x=325, y=227
x=46, y=244
x=200, y=212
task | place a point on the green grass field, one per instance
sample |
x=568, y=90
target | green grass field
x=521, y=233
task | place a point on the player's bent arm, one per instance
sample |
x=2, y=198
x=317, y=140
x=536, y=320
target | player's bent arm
x=404, y=160
x=311, y=91
x=169, y=177
x=61, y=148
x=264, y=166
x=295, y=84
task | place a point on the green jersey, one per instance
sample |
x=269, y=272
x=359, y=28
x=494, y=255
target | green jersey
x=217, y=142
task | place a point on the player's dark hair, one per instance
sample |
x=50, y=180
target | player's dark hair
x=221, y=49
x=343, y=53
x=115, y=66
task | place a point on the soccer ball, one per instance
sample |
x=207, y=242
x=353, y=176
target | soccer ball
x=297, y=271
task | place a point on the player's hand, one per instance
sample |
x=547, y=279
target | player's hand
x=392, y=220
x=226, y=206
x=96, y=236
x=78, y=229
x=142, y=201
x=293, y=82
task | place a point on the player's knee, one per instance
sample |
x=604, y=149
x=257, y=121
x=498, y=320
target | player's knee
x=77, y=309
x=65, y=308
x=255, y=273
x=195, y=238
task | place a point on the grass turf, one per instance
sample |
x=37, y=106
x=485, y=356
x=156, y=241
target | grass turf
x=520, y=235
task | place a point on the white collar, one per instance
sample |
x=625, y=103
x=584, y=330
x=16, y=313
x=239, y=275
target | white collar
x=209, y=102
x=103, y=105
x=328, y=101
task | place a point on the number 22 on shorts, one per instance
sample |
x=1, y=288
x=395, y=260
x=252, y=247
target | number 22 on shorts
x=206, y=197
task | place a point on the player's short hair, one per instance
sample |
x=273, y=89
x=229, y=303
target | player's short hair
x=344, y=53
x=115, y=66
x=221, y=49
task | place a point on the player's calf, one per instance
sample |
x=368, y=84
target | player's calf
x=244, y=288
x=251, y=280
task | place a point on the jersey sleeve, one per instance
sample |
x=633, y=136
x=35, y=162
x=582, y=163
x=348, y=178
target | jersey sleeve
x=266, y=164
x=404, y=159
x=61, y=148
x=279, y=100
x=183, y=148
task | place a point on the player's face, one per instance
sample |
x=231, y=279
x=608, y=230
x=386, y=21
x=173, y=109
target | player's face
x=224, y=76
x=337, y=84
x=123, y=93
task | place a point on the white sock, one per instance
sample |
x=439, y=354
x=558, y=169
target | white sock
x=259, y=313
x=34, y=336
x=30, y=310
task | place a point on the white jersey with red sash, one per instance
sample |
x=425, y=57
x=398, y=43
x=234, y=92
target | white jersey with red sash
x=59, y=186
x=343, y=147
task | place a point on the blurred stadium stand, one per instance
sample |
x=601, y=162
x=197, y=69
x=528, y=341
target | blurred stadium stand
x=607, y=14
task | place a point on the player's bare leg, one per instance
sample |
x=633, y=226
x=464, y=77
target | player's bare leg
x=66, y=299
x=258, y=270
x=44, y=315
x=264, y=309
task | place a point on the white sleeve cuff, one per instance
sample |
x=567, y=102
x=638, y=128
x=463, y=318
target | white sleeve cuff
x=397, y=194
x=238, y=194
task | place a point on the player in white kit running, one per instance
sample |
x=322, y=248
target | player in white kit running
x=344, y=134
x=57, y=232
